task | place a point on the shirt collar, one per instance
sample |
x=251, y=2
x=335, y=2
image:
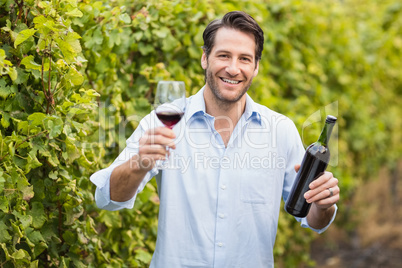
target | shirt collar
x=252, y=111
x=196, y=105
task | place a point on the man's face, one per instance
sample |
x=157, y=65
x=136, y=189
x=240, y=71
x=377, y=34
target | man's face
x=231, y=65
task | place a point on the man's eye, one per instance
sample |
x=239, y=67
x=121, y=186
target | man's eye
x=223, y=56
x=245, y=59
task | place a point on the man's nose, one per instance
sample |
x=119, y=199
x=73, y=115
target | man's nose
x=233, y=69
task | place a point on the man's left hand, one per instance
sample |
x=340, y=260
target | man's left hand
x=324, y=191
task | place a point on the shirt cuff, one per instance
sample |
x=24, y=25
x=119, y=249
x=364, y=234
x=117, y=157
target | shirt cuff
x=102, y=194
x=103, y=201
x=305, y=224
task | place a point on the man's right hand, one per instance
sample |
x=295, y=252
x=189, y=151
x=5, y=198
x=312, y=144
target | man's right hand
x=154, y=145
x=126, y=178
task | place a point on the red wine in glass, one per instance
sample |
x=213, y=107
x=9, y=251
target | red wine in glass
x=169, y=119
x=170, y=102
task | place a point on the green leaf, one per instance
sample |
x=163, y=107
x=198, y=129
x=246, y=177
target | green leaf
x=23, y=127
x=25, y=188
x=145, y=49
x=55, y=125
x=81, y=237
x=5, y=63
x=52, y=158
x=39, y=248
x=95, y=39
x=39, y=21
x=72, y=151
x=72, y=213
x=5, y=90
x=143, y=256
x=125, y=18
x=3, y=57
x=33, y=161
x=64, y=263
x=35, y=264
x=2, y=181
x=23, y=35
x=73, y=3
x=45, y=24
x=53, y=175
x=66, y=49
x=90, y=92
x=12, y=72
x=34, y=236
x=25, y=220
x=72, y=38
x=5, y=119
x=69, y=237
x=22, y=76
x=69, y=45
x=16, y=229
x=170, y=43
x=4, y=235
x=161, y=32
x=6, y=66
x=74, y=77
x=38, y=215
x=27, y=193
x=50, y=234
x=4, y=247
x=36, y=119
x=11, y=149
x=19, y=254
x=29, y=63
x=111, y=219
x=74, y=13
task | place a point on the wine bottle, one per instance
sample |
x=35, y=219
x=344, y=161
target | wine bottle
x=314, y=163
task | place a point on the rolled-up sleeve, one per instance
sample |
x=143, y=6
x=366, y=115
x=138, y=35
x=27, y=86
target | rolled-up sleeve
x=304, y=223
x=102, y=177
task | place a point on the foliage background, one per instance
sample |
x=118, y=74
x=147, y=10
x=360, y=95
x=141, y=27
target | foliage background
x=77, y=76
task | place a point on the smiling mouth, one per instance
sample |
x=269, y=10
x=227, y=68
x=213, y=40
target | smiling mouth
x=230, y=81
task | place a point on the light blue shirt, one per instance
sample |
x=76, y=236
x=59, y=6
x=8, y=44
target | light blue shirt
x=219, y=206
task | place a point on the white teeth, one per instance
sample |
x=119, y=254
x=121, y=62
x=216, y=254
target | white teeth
x=230, y=81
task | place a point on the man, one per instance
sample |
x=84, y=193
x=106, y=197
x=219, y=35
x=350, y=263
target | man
x=235, y=158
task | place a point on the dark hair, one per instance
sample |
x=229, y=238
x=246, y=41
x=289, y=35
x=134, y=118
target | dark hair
x=237, y=20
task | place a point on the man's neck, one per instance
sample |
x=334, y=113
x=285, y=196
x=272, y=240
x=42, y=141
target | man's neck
x=227, y=115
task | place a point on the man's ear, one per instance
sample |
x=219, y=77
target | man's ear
x=256, y=69
x=204, y=61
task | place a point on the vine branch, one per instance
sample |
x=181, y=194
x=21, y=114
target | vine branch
x=60, y=223
x=43, y=80
x=28, y=138
x=50, y=99
x=20, y=5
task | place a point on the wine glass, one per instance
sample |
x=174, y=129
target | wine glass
x=170, y=103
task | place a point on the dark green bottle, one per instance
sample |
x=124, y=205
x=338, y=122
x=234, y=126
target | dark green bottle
x=314, y=163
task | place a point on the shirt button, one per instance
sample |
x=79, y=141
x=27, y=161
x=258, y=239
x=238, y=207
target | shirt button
x=221, y=215
x=220, y=244
x=223, y=186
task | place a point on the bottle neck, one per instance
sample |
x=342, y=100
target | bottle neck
x=326, y=134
